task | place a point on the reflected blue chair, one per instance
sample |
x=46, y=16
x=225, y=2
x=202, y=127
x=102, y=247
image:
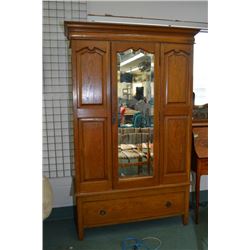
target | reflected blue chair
x=139, y=121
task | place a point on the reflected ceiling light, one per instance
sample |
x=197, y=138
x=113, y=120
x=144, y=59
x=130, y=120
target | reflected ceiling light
x=132, y=59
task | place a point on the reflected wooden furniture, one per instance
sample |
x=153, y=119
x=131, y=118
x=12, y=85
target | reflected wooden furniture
x=200, y=159
x=102, y=197
x=130, y=111
x=200, y=112
x=134, y=150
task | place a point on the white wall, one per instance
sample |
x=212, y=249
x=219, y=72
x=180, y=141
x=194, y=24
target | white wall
x=63, y=190
x=189, y=13
x=58, y=154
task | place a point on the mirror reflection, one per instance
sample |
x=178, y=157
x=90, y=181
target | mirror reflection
x=135, y=89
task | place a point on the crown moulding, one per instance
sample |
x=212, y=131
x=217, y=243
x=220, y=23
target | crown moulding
x=128, y=32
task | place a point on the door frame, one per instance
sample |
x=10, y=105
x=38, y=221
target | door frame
x=151, y=47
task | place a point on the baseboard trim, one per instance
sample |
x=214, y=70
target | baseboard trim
x=63, y=213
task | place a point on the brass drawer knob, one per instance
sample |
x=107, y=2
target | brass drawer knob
x=102, y=212
x=168, y=204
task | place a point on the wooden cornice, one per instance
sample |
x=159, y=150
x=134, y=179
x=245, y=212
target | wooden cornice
x=128, y=32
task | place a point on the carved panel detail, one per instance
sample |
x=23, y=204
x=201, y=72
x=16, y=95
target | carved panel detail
x=91, y=66
x=176, y=76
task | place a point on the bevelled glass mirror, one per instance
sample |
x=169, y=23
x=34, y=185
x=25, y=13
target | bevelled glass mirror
x=135, y=92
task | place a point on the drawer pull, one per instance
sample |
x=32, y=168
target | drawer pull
x=168, y=204
x=102, y=212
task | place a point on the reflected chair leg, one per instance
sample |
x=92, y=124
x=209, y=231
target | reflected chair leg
x=148, y=165
x=139, y=166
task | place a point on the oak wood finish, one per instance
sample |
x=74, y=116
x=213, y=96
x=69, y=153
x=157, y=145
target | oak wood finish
x=127, y=32
x=176, y=111
x=121, y=205
x=200, y=161
x=92, y=103
x=120, y=210
x=101, y=196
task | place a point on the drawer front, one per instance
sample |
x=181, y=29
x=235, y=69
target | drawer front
x=121, y=210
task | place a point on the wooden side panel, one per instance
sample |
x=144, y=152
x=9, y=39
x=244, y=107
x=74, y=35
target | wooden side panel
x=91, y=75
x=92, y=115
x=175, y=144
x=176, y=112
x=92, y=146
x=175, y=78
x=176, y=72
x=91, y=72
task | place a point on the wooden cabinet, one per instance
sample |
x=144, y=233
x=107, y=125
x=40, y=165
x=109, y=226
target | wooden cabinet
x=132, y=152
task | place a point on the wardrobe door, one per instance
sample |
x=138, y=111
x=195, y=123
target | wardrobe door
x=135, y=113
x=176, y=112
x=92, y=115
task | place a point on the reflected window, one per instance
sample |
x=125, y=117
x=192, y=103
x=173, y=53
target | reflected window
x=201, y=69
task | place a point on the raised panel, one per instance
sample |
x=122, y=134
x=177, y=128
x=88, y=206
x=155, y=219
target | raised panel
x=91, y=76
x=177, y=77
x=92, y=146
x=175, y=145
x=176, y=74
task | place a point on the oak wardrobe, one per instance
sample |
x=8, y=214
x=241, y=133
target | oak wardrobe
x=132, y=94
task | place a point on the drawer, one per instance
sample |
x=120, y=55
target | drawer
x=129, y=209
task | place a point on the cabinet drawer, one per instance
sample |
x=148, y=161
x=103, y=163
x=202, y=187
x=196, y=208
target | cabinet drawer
x=129, y=209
